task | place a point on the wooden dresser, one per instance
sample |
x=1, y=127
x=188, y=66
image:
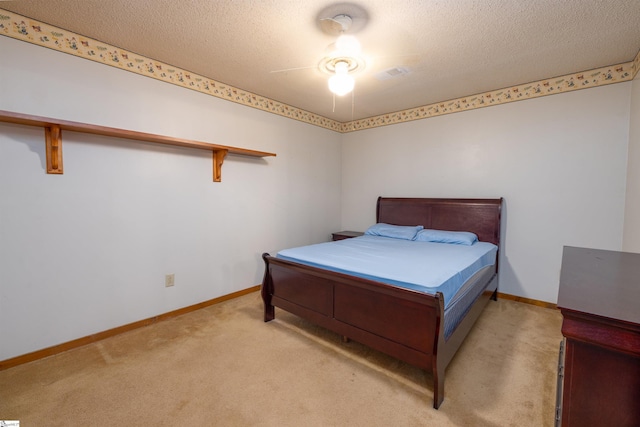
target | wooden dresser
x=599, y=375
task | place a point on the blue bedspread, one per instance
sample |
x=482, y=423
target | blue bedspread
x=422, y=266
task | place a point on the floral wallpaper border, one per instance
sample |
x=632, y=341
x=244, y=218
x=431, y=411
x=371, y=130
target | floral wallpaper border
x=26, y=29
x=570, y=82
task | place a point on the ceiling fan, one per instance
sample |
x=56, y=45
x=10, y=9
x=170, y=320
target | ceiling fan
x=344, y=57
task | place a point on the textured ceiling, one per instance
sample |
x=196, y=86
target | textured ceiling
x=451, y=48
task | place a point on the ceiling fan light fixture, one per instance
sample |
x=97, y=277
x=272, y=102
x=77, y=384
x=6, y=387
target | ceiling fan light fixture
x=341, y=83
x=345, y=57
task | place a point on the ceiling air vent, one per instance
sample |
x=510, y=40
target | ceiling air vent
x=392, y=73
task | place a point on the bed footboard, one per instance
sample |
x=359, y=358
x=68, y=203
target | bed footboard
x=401, y=323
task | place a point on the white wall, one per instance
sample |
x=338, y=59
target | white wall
x=87, y=251
x=558, y=161
x=631, y=241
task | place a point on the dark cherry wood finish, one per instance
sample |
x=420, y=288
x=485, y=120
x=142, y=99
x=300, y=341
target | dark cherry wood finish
x=341, y=235
x=400, y=322
x=599, y=297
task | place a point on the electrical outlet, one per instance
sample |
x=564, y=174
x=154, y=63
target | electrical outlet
x=169, y=280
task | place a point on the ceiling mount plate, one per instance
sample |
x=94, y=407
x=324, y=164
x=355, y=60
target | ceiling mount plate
x=326, y=18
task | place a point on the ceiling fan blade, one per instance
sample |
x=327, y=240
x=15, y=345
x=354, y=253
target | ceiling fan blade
x=293, y=69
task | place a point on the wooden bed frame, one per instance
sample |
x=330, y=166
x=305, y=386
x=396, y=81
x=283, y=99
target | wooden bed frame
x=400, y=322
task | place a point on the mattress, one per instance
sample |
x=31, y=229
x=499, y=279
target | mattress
x=465, y=298
x=421, y=266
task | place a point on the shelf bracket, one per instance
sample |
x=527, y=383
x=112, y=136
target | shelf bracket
x=218, y=159
x=53, y=140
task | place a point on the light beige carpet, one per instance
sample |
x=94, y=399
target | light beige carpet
x=223, y=366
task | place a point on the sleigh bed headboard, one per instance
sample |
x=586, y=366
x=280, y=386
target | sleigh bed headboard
x=479, y=216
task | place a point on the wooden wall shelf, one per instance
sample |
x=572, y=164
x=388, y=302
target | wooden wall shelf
x=53, y=139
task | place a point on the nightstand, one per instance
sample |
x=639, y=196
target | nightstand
x=341, y=235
